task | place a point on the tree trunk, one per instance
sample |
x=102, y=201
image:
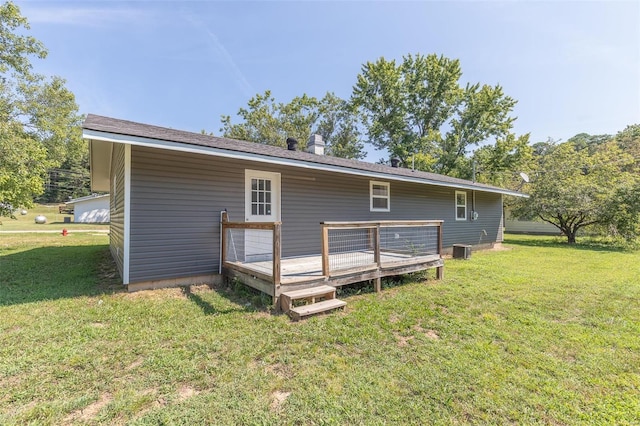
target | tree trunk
x=571, y=237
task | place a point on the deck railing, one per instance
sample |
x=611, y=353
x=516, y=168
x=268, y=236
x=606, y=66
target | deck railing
x=258, y=243
x=349, y=249
x=360, y=246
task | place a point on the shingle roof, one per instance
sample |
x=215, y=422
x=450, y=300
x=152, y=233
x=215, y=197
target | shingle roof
x=86, y=198
x=130, y=128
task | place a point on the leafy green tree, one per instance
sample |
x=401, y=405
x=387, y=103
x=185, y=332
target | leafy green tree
x=574, y=189
x=17, y=48
x=590, y=142
x=70, y=180
x=626, y=203
x=624, y=207
x=22, y=165
x=40, y=122
x=419, y=107
x=540, y=149
x=338, y=126
x=629, y=141
x=265, y=121
x=501, y=164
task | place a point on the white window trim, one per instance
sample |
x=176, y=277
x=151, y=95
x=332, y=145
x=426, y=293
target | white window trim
x=460, y=205
x=276, y=194
x=371, y=196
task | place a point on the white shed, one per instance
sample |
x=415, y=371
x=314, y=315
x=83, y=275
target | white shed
x=90, y=209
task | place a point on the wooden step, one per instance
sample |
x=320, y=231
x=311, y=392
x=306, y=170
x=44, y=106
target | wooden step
x=315, y=308
x=309, y=294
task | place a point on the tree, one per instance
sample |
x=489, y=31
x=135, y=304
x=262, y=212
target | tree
x=590, y=142
x=22, y=165
x=419, y=107
x=501, y=163
x=626, y=203
x=70, y=180
x=271, y=123
x=540, y=149
x=338, y=127
x=39, y=120
x=574, y=189
x=629, y=141
x=16, y=48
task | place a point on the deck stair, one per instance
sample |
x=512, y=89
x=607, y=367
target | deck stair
x=319, y=299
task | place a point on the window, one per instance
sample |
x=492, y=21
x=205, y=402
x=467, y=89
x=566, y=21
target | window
x=380, y=196
x=461, y=205
x=260, y=197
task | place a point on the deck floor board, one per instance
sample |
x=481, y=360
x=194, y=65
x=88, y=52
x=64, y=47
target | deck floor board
x=309, y=268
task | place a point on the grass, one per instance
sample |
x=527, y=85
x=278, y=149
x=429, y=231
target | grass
x=540, y=333
x=55, y=221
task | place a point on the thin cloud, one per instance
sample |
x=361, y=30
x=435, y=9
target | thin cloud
x=81, y=16
x=224, y=55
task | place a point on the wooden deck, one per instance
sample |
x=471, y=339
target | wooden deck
x=306, y=272
x=375, y=250
x=295, y=270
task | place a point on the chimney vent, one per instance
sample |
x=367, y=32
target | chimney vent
x=292, y=144
x=395, y=162
x=315, y=145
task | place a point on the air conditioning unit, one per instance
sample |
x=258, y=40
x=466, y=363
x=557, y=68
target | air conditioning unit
x=461, y=251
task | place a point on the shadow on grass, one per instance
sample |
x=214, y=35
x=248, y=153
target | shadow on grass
x=50, y=273
x=561, y=242
x=209, y=309
x=389, y=282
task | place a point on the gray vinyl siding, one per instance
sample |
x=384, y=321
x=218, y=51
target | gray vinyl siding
x=489, y=209
x=176, y=199
x=334, y=197
x=116, y=206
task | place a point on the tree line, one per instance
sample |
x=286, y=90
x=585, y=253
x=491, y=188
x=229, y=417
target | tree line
x=39, y=119
x=415, y=110
x=588, y=182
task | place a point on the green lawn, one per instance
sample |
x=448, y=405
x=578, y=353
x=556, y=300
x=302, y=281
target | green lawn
x=540, y=333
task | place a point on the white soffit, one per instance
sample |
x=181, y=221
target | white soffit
x=100, y=164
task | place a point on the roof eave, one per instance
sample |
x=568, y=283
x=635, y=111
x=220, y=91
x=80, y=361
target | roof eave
x=109, y=137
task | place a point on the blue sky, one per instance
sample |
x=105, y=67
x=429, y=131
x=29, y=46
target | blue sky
x=573, y=66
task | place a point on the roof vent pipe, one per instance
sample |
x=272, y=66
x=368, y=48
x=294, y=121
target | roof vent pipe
x=292, y=144
x=395, y=162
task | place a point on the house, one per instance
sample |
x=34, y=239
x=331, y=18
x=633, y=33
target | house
x=188, y=207
x=93, y=208
x=513, y=225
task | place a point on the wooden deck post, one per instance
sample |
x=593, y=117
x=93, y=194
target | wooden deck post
x=377, y=283
x=376, y=249
x=325, y=249
x=277, y=253
x=223, y=239
x=277, y=263
x=440, y=269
